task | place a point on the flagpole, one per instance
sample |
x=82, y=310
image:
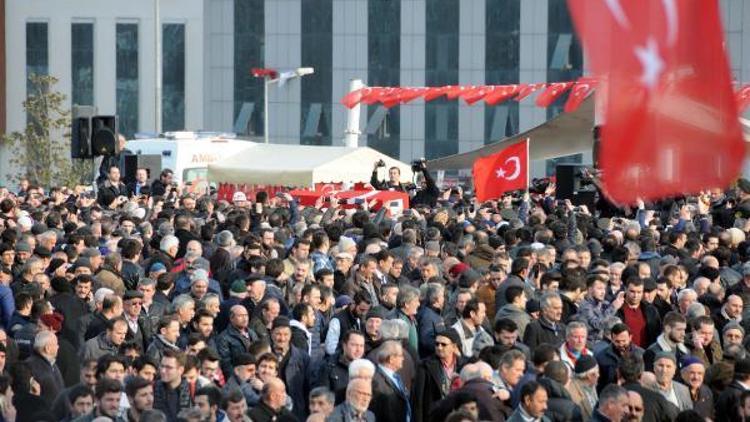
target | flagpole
x=528, y=167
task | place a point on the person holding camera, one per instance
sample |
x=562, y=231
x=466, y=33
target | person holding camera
x=394, y=178
x=427, y=193
x=112, y=191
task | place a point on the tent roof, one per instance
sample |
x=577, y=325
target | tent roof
x=566, y=134
x=300, y=165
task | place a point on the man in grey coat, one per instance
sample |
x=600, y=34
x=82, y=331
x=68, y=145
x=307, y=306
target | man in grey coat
x=515, y=308
x=358, y=395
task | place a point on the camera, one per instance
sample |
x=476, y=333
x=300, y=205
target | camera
x=380, y=163
x=418, y=165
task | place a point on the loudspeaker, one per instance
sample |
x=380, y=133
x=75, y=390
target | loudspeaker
x=104, y=135
x=569, y=186
x=80, y=138
x=131, y=163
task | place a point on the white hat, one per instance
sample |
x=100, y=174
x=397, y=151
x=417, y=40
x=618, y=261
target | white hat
x=239, y=197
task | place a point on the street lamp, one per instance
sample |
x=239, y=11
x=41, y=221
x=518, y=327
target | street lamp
x=271, y=76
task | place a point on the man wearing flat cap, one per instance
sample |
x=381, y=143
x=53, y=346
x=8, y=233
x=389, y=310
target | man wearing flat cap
x=693, y=374
x=665, y=367
x=294, y=365
x=436, y=373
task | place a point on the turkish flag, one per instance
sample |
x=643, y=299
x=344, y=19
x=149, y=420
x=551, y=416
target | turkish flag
x=502, y=171
x=552, y=93
x=670, y=117
x=580, y=91
x=501, y=93
x=527, y=89
x=353, y=98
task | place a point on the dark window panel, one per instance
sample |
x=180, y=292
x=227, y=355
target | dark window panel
x=317, y=52
x=502, y=59
x=564, y=51
x=384, y=69
x=173, y=77
x=82, y=63
x=127, y=78
x=37, y=49
x=249, y=52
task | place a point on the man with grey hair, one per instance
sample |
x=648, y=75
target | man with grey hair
x=358, y=398
x=361, y=368
x=397, y=330
x=476, y=381
x=168, y=247
x=321, y=401
x=613, y=404
x=576, y=335
x=43, y=366
x=429, y=317
x=390, y=397
x=407, y=305
x=685, y=298
x=548, y=328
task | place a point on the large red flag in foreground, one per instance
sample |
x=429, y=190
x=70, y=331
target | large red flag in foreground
x=502, y=171
x=671, y=120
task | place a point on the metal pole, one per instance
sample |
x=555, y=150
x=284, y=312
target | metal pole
x=265, y=109
x=351, y=134
x=157, y=69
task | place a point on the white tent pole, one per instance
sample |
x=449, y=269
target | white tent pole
x=351, y=135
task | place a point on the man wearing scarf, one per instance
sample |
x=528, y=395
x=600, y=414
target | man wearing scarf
x=575, y=344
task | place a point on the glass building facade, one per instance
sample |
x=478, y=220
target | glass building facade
x=37, y=51
x=441, y=68
x=317, y=52
x=384, y=69
x=564, y=51
x=173, y=77
x=126, y=41
x=502, y=60
x=249, y=52
x=82, y=63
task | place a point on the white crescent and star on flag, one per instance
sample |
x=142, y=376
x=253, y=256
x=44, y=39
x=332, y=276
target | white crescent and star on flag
x=502, y=172
x=648, y=55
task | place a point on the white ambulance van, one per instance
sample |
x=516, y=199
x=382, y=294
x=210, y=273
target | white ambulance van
x=188, y=154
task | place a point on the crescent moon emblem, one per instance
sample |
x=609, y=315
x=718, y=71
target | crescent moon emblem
x=517, y=170
x=670, y=10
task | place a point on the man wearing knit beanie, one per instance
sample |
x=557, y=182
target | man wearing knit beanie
x=582, y=387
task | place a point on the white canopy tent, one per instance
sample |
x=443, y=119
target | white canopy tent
x=302, y=165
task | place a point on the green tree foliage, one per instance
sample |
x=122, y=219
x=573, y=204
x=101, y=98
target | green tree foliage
x=41, y=152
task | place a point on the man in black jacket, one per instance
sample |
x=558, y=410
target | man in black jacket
x=728, y=404
x=335, y=375
x=112, y=190
x=162, y=185
x=642, y=317
x=390, y=398
x=548, y=328
x=659, y=409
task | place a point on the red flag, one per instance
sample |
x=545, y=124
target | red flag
x=502, y=171
x=743, y=98
x=454, y=91
x=580, y=91
x=410, y=94
x=671, y=119
x=526, y=90
x=353, y=98
x=391, y=98
x=471, y=96
x=371, y=95
x=552, y=93
x=501, y=93
x=435, y=92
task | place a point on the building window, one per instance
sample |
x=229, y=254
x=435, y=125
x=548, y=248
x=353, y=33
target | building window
x=127, y=78
x=441, y=116
x=317, y=52
x=564, y=52
x=82, y=63
x=384, y=69
x=173, y=77
x=502, y=58
x=249, y=52
x=37, y=46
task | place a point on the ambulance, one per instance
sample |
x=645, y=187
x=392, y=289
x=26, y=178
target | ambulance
x=188, y=154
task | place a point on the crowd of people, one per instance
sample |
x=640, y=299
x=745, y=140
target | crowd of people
x=146, y=303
